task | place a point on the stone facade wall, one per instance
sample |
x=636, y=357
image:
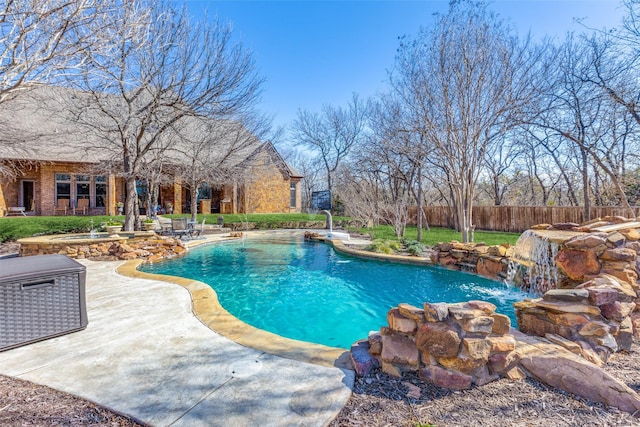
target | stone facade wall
x=487, y=261
x=450, y=345
x=152, y=248
x=43, y=176
x=268, y=191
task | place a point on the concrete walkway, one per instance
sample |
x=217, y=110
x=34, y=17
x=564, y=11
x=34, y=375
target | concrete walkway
x=144, y=354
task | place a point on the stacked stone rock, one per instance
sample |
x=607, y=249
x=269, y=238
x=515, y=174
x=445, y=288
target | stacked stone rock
x=487, y=261
x=584, y=257
x=150, y=248
x=592, y=321
x=450, y=345
x=596, y=313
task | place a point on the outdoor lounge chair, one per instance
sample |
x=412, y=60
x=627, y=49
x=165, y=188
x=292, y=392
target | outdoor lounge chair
x=61, y=207
x=83, y=206
x=164, y=226
x=179, y=228
x=197, y=231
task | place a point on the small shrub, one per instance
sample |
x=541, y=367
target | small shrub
x=415, y=248
x=394, y=244
x=383, y=246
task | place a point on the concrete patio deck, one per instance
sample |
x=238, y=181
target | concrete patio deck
x=146, y=355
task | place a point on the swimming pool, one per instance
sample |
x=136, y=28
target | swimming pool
x=307, y=291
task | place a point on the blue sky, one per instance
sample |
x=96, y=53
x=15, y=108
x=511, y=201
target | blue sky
x=313, y=52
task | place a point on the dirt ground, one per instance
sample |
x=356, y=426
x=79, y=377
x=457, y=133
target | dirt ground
x=380, y=400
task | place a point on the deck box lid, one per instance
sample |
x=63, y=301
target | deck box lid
x=38, y=265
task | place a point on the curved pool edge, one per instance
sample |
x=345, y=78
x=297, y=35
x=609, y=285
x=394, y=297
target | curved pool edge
x=207, y=308
x=340, y=246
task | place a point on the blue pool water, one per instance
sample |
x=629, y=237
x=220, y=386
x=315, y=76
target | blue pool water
x=306, y=291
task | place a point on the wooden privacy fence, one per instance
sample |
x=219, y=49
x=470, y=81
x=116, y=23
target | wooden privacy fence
x=517, y=218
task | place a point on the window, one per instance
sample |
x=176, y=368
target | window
x=101, y=191
x=204, y=191
x=83, y=187
x=292, y=192
x=63, y=186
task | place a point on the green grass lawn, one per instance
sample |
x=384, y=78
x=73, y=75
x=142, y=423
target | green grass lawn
x=436, y=235
x=17, y=227
x=12, y=228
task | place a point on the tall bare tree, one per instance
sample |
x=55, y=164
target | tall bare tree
x=156, y=67
x=40, y=39
x=332, y=133
x=466, y=82
x=39, y=42
x=212, y=152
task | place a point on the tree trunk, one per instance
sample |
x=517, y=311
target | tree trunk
x=585, y=185
x=130, y=205
x=194, y=201
x=419, y=213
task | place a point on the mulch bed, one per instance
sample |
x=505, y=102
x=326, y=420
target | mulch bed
x=23, y=403
x=381, y=400
x=377, y=400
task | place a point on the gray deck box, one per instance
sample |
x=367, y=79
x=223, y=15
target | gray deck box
x=41, y=297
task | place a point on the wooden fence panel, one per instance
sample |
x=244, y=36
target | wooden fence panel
x=517, y=218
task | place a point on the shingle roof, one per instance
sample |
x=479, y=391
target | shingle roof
x=40, y=125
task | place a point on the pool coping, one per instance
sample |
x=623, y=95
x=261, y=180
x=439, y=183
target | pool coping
x=343, y=247
x=207, y=308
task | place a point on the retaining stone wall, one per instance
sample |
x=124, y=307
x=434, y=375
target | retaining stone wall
x=450, y=345
x=150, y=248
x=487, y=261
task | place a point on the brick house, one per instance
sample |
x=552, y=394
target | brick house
x=48, y=167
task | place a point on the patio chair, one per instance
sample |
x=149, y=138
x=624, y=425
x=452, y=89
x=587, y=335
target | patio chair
x=179, y=228
x=61, y=207
x=198, y=230
x=83, y=206
x=164, y=226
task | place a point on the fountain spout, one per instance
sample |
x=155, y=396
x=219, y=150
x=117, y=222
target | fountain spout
x=92, y=231
x=329, y=220
x=331, y=235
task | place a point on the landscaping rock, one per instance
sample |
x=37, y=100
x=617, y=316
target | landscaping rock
x=399, y=349
x=438, y=339
x=575, y=264
x=437, y=312
x=501, y=324
x=397, y=322
x=363, y=362
x=560, y=368
x=445, y=378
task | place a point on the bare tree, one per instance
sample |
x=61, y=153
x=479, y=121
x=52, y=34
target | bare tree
x=156, y=67
x=39, y=42
x=40, y=39
x=586, y=119
x=466, y=82
x=331, y=134
x=213, y=151
x=499, y=162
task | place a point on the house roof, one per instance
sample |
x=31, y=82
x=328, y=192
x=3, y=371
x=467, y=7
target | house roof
x=36, y=126
x=42, y=125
